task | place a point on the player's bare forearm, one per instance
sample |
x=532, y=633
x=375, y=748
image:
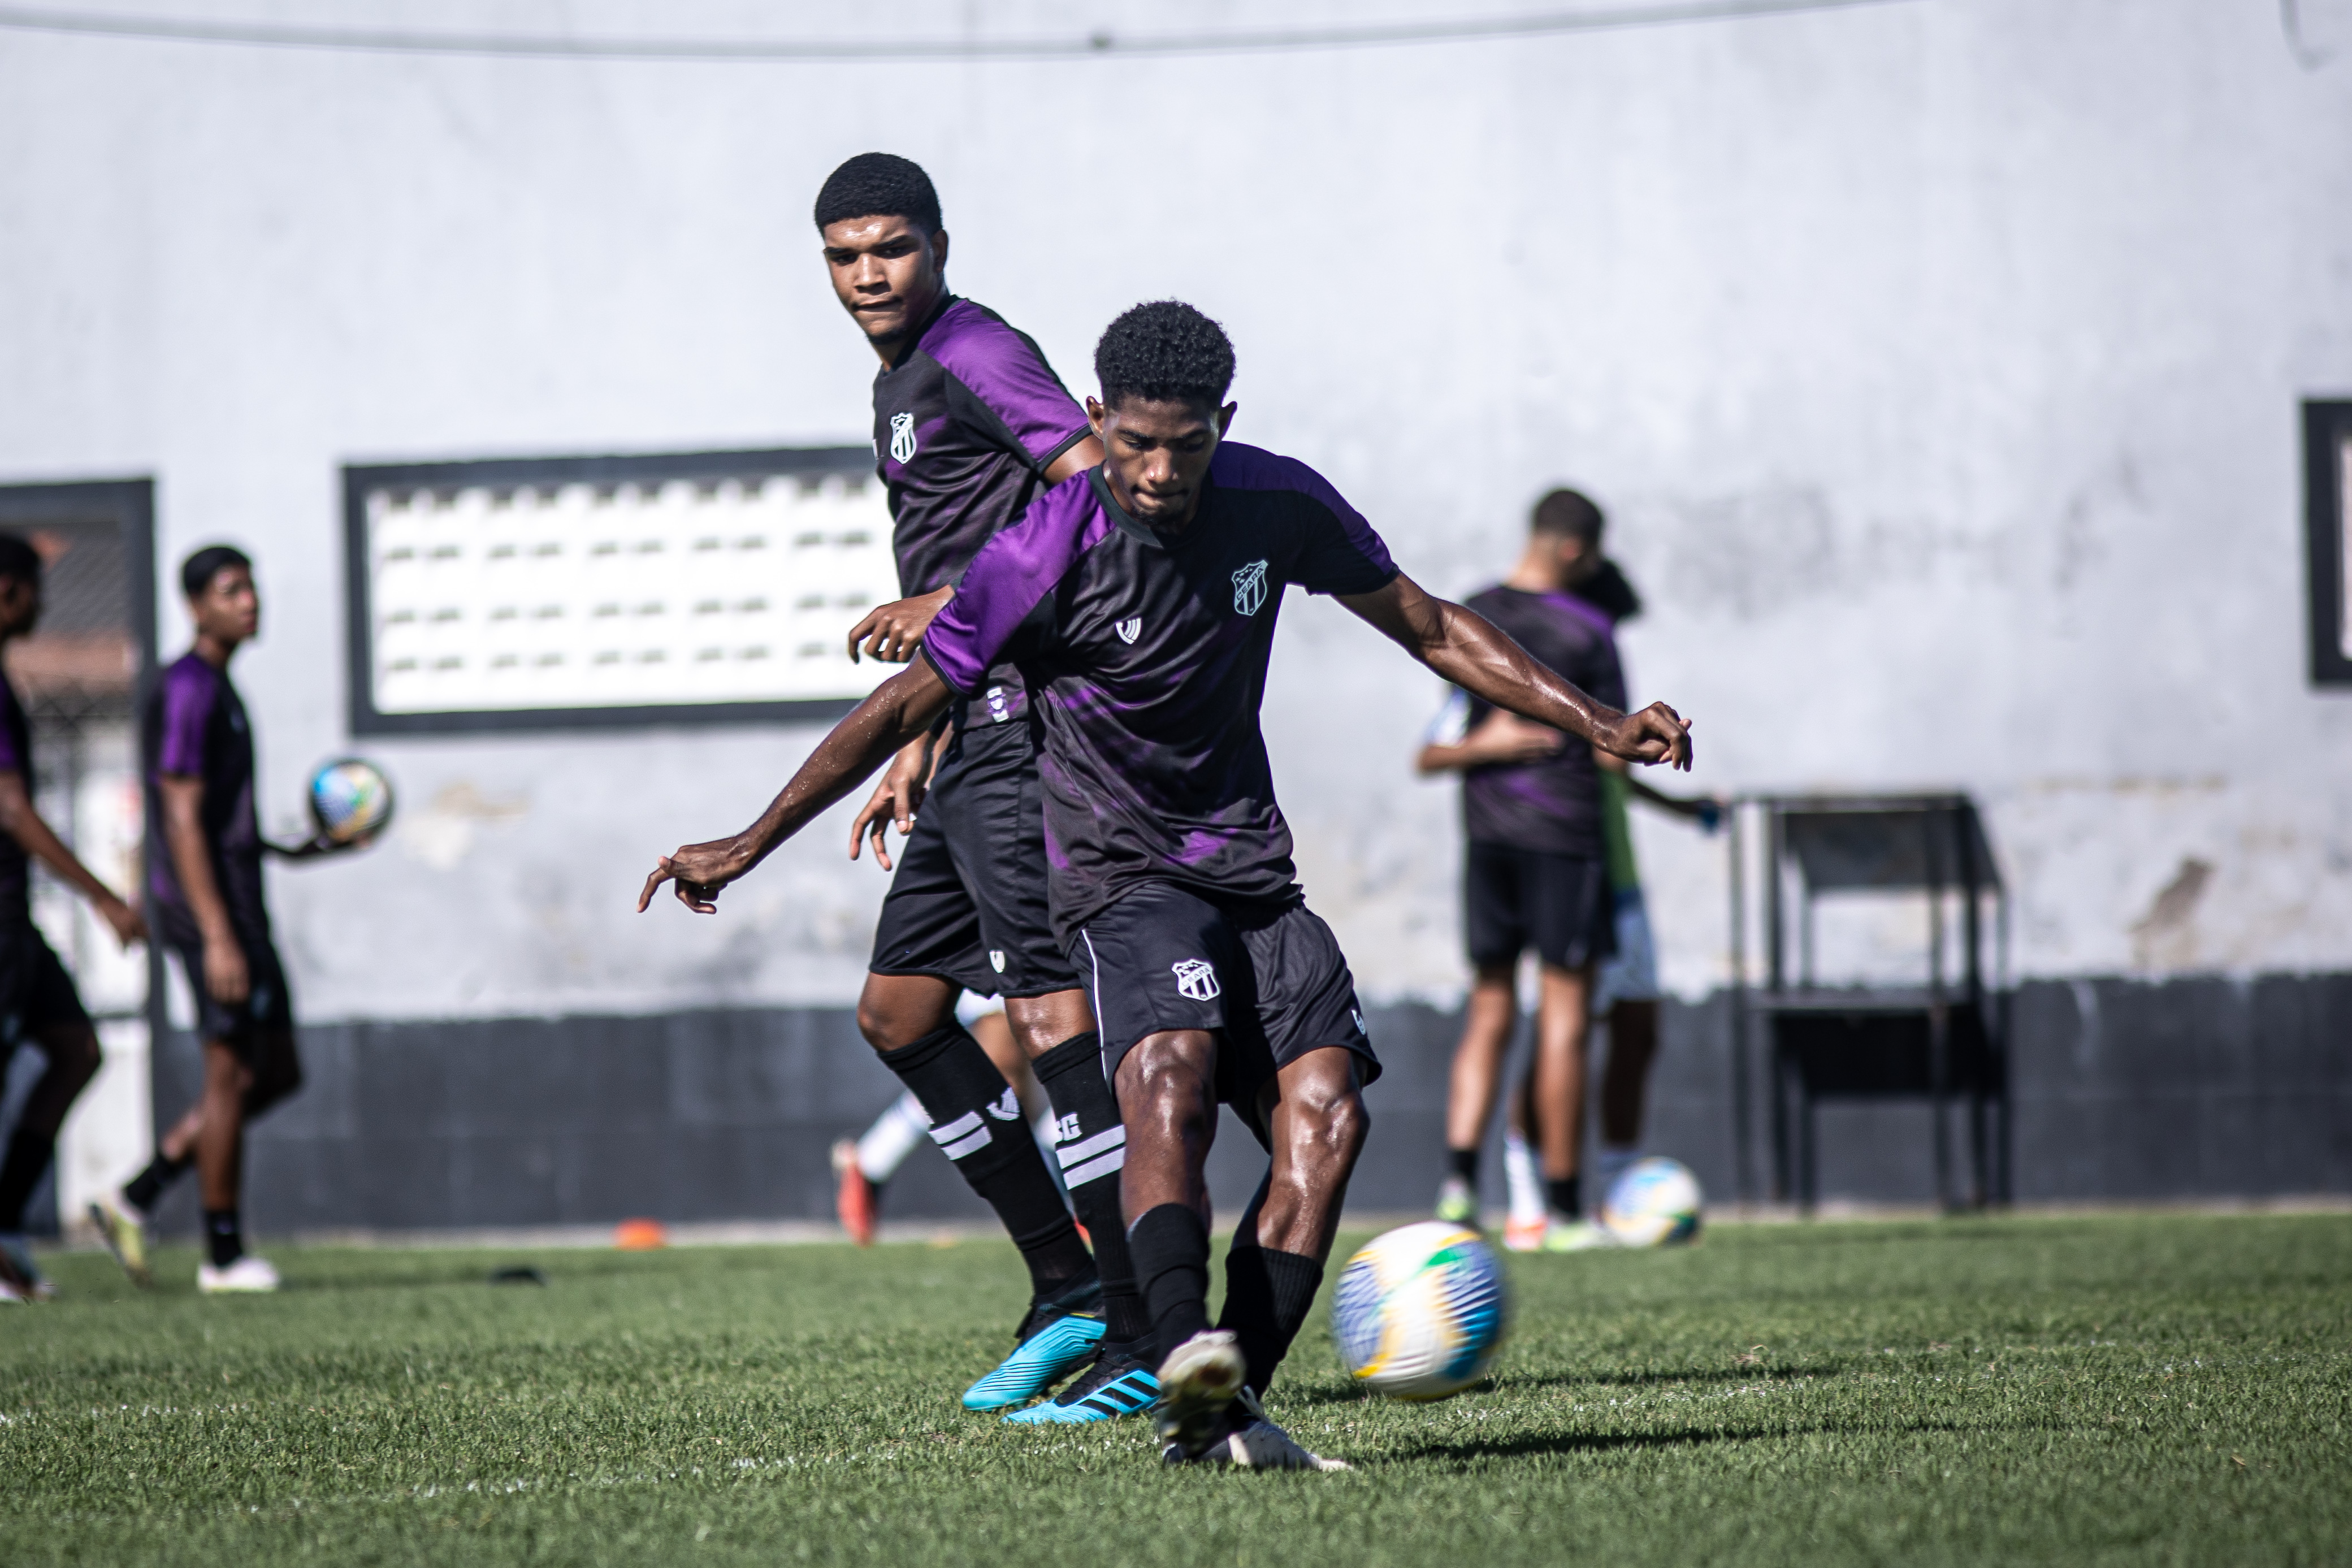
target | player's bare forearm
x=900, y=711
x=29, y=828
x=183, y=837
x=1474, y=654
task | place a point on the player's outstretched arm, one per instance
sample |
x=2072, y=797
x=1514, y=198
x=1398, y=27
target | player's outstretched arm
x=22, y=823
x=901, y=709
x=1473, y=653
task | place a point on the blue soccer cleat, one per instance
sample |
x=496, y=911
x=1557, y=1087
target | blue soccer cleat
x=1117, y=1385
x=1055, y=1338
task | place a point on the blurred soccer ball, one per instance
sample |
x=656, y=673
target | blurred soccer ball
x=350, y=800
x=1655, y=1203
x=1420, y=1313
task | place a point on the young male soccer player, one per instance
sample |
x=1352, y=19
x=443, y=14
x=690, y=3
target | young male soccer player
x=1533, y=871
x=1139, y=601
x=205, y=889
x=38, y=1003
x=970, y=424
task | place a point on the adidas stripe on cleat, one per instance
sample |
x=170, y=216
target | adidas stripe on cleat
x=1057, y=1337
x=1116, y=1386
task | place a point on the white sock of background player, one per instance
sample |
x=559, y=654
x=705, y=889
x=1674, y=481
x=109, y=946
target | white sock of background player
x=895, y=1134
x=1525, y=1178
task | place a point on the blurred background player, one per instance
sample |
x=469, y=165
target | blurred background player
x=1534, y=872
x=205, y=888
x=863, y=1166
x=1626, y=993
x=971, y=425
x=38, y=1003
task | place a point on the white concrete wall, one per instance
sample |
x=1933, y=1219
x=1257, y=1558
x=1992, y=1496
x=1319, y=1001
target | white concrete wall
x=1939, y=360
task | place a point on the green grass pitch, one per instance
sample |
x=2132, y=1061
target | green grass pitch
x=2140, y=1389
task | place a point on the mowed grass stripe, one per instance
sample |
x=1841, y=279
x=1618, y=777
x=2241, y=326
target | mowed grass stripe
x=2082, y=1390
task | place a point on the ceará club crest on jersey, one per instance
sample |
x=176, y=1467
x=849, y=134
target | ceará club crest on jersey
x=902, y=437
x=1249, y=588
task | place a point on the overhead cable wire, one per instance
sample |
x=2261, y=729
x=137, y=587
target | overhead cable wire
x=1097, y=44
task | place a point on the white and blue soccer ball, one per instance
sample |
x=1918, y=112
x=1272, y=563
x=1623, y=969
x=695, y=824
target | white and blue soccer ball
x=1655, y=1203
x=350, y=800
x=1419, y=1313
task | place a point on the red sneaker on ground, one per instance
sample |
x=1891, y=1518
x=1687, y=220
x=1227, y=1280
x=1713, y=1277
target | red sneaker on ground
x=854, y=1198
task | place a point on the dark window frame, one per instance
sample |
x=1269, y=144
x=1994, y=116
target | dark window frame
x=2326, y=430
x=361, y=479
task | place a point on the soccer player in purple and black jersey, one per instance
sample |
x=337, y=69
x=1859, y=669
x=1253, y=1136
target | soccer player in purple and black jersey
x=205, y=886
x=970, y=425
x=1140, y=603
x=38, y=1003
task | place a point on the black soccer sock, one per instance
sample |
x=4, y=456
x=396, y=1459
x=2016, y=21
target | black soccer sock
x=224, y=1237
x=146, y=1189
x=976, y=1119
x=1268, y=1297
x=20, y=1171
x=1170, y=1247
x=1091, y=1146
x=1565, y=1197
x=1463, y=1162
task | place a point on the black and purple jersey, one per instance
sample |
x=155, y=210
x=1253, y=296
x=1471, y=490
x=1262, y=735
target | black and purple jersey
x=15, y=756
x=965, y=427
x=1553, y=804
x=1147, y=654
x=194, y=726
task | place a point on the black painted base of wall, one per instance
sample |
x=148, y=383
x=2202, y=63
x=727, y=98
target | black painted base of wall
x=2121, y=1091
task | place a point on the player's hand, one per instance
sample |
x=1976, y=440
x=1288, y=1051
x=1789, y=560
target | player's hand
x=225, y=978
x=700, y=871
x=894, y=800
x=1656, y=735
x=1504, y=737
x=891, y=632
x=128, y=924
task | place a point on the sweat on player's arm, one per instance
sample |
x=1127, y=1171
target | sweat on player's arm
x=1470, y=651
x=901, y=709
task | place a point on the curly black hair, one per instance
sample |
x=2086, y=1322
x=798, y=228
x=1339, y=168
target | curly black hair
x=879, y=184
x=1164, y=351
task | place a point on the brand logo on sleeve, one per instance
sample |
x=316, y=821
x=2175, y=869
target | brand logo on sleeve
x=1249, y=588
x=902, y=437
x=1130, y=628
x=1196, y=978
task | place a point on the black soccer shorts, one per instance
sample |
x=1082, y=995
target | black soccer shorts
x=967, y=903
x=1269, y=975
x=267, y=1009
x=1561, y=905
x=36, y=991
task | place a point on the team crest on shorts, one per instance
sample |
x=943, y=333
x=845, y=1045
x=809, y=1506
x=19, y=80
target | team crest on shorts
x=1249, y=588
x=1130, y=628
x=902, y=437
x=1196, y=978
x=996, y=959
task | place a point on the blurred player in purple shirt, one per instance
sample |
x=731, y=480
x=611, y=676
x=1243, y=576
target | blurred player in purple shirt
x=38, y=1003
x=205, y=886
x=1139, y=601
x=971, y=425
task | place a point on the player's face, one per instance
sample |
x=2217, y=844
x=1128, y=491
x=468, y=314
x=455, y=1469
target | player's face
x=886, y=272
x=20, y=606
x=1156, y=455
x=229, y=609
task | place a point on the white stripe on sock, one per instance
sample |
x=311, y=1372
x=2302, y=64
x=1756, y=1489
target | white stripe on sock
x=1114, y=1161
x=959, y=1127
x=972, y=1145
x=1087, y=1149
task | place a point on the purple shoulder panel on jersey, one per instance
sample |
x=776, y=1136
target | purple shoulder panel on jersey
x=191, y=687
x=1592, y=616
x=1009, y=578
x=1245, y=467
x=1006, y=372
